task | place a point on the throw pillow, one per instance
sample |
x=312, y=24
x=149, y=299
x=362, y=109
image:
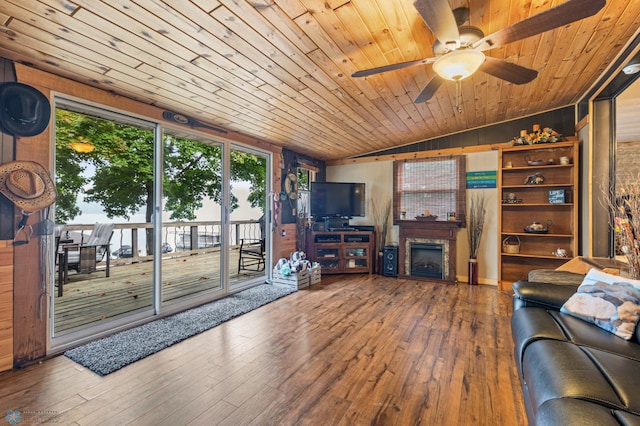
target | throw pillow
x=609, y=301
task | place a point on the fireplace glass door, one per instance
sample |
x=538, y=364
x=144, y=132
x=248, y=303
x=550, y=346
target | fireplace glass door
x=427, y=260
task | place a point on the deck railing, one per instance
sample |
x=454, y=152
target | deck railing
x=128, y=244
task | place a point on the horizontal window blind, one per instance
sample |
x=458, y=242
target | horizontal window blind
x=430, y=185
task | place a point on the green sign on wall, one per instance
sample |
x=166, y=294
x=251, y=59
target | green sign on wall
x=485, y=179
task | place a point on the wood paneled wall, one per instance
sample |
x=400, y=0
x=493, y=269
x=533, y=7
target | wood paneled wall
x=7, y=153
x=30, y=291
x=6, y=305
x=287, y=242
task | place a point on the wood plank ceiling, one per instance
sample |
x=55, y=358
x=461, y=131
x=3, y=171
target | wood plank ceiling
x=279, y=70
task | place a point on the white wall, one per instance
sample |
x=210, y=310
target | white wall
x=490, y=242
x=378, y=177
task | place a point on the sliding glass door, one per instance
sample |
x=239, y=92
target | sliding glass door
x=248, y=219
x=103, y=215
x=148, y=221
x=192, y=227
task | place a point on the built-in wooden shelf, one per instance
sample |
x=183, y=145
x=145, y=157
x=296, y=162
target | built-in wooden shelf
x=536, y=250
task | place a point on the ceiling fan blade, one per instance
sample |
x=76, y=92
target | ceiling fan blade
x=393, y=67
x=438, y=16
x=558, y=16
x=508, y=71
x=429, y=90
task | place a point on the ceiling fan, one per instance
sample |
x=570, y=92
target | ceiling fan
x=458, y=49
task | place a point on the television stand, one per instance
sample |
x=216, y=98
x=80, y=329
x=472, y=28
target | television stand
x=343, y=251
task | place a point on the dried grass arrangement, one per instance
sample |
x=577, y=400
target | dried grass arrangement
x=381, y=219
x=624, y=206
x=475, y=222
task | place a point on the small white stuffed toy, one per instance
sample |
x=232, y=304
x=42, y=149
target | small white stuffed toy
x=283, y=267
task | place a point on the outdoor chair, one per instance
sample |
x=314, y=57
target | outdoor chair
x=57, y=234
x=84, y=257
x=252, y=251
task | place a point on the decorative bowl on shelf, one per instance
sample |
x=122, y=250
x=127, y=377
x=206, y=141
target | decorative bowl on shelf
x=428, y=217
x=535, y=231
x=540, y=163
x=537, y=162
x=538, y=228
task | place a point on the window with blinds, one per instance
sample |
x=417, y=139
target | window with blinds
x=434, y=184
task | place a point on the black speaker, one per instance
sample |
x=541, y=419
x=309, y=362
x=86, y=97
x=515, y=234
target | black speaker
x=390, y=261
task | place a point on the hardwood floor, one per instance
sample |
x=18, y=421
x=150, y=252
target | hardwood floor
x=352, y=350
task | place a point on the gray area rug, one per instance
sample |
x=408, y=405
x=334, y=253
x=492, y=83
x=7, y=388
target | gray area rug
x=111, y=353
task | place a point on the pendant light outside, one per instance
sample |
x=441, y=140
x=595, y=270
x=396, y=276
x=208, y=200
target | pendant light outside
x=82, y=146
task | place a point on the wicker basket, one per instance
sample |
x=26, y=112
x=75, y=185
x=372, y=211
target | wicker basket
x=509, y=245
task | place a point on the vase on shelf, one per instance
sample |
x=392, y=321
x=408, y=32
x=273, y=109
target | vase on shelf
x=473, y=271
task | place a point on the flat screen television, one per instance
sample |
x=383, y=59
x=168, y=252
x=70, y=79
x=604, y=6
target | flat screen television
x=337, y=199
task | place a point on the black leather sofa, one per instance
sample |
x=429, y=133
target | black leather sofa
x=572, y=372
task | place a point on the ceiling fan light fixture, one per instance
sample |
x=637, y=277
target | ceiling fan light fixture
x=458, y=65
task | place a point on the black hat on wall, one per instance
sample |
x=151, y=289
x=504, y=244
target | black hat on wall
x=24, y=110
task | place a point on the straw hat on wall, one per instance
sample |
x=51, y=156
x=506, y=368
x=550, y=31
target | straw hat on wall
x=27, y=184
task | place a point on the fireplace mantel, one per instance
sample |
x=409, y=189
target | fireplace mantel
x=431, y=230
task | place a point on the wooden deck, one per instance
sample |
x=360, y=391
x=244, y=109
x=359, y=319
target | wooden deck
x=91, y=298
x=352, y=350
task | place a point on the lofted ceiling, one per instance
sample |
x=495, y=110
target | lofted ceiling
x=280, y=70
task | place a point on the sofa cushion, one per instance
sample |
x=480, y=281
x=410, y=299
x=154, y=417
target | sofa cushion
x=532, y=324
x=608, y=301
x=541, y=294
x=576, y=412
x=622, y=373
x=585, y=334
x=627, y=419
x=555, y=369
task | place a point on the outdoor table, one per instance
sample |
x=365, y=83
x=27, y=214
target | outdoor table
x=63, y=256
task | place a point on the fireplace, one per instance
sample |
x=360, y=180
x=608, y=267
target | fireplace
x=427, y=258
x=427, y=251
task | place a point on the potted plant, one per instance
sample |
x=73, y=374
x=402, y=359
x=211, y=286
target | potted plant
x=475, y=225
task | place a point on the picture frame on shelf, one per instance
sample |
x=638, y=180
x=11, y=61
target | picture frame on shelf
x=557, y=196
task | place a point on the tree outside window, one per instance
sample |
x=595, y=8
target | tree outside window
x=117, y=170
